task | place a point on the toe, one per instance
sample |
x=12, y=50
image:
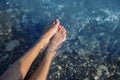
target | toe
x=60, y=28
x=64, y=37
x=63, y=30
x=56, y=22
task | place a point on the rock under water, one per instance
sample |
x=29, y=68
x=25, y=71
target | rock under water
x=91, y=50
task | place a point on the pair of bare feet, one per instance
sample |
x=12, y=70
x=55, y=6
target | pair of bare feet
x=54, y=36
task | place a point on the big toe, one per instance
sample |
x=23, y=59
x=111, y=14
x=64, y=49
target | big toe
x=62, y=30
x=56, y=23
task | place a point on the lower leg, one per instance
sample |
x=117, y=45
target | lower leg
x=42, y=71
x=20, y=68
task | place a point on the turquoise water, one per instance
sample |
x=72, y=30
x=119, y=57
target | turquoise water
x=92, y=44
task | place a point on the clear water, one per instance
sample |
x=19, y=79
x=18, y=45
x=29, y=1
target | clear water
x=93, y=30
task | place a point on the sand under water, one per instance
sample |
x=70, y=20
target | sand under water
x=91, y=51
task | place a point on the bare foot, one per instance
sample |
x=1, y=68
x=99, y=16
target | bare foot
x=52, y=30
x=55, y=41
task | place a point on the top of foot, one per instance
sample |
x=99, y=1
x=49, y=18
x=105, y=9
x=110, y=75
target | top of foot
x=53, y=28
x=56, y=41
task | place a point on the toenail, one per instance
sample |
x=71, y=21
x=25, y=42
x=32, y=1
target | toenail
x=57, y=20
x=59, y=26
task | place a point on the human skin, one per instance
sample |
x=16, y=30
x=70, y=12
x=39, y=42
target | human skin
x=43, y=69
x=19, y=69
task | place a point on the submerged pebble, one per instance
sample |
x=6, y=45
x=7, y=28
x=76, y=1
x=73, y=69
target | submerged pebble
x=59, y=67
x=12, y=45
x=87, y=34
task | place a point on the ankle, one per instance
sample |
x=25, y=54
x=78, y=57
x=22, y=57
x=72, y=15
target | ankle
x=50, y=55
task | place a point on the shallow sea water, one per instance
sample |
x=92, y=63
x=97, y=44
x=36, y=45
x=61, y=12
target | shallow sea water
x=91, y=50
